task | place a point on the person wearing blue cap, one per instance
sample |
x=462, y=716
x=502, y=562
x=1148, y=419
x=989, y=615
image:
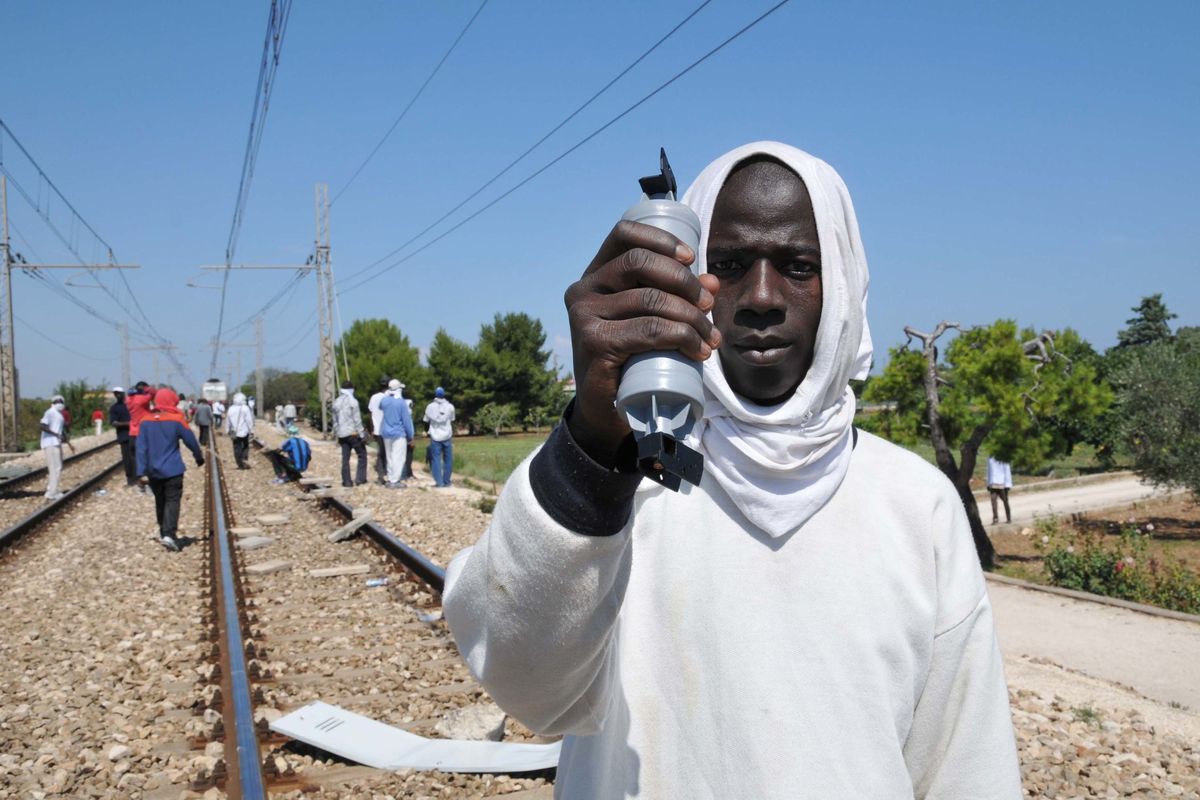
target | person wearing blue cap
x=439, y=416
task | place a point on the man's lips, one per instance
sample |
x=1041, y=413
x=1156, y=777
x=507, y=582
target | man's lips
x=762, y=351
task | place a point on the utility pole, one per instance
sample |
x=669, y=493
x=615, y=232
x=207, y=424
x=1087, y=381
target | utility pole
x=155, y=349
x=126, y=371
x=322, y=264
x=326, y=358
x=258, y=367
x=9, y=437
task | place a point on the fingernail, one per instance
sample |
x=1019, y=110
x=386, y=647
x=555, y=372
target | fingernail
x=705, y=351
x=706, y=300
x=714, y=338
x=684, y=253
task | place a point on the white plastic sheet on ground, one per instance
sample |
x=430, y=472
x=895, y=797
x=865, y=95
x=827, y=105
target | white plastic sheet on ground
x=366, y=741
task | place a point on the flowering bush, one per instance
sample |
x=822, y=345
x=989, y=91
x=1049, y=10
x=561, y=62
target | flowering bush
x=1121, y=568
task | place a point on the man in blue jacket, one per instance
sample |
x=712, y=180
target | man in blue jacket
x=397, y=430
x=160, y=465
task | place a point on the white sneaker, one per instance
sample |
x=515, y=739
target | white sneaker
x=170, y=544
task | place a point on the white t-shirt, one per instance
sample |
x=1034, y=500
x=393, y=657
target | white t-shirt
x=52, y=419
x=440, y=416
x=373, y=405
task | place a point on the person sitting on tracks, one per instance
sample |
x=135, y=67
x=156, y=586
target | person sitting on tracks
x=811, y=620
x=239, y=425
x=292, y=457
x=159, y=464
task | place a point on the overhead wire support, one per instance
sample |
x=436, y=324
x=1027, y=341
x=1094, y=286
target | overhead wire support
x=411, y=102
x=277, y=21
x=629, y=110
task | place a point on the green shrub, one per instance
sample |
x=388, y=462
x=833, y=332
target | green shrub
x=1121, y=568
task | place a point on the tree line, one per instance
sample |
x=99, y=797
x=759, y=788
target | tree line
x=1027, y=397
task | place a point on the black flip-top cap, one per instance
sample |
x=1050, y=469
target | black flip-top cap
x=663, y=183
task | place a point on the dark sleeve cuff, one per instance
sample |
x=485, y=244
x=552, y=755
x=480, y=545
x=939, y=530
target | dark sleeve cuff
x=578, y=493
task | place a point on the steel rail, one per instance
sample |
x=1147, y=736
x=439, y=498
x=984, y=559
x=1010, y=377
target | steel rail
x=241, y=749
x=11, y=483
x=45, y=512
x=415, y=562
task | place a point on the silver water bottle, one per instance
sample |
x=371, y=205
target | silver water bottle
x=662, y=393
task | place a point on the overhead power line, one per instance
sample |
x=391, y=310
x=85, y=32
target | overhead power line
x=277, y=21
x=535, y=145
x=411, y=102
x=572, y=148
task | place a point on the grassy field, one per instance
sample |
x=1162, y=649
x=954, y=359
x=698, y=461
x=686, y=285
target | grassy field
x=491, y=459
x=488, y=459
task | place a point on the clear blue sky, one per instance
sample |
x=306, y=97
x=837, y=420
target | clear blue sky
x=1024, y=159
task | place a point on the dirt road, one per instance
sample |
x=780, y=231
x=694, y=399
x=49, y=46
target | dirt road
x=1027, y=505
x=1155, y=657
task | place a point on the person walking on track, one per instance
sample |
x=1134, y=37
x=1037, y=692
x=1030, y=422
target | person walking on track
x=159, y=464
x=204, y=420
x=118, y=417
x=139, y=402
x=239, y=426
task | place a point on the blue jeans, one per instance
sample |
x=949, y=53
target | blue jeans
x=441, y=456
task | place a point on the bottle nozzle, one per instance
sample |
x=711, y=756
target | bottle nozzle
x=663, y=184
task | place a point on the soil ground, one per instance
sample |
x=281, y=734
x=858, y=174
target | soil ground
x=1176, y=532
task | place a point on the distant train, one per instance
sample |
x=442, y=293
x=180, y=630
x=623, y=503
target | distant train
x=214, y=390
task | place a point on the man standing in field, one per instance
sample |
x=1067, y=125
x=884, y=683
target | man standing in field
x=118, y=417
x=374, y=407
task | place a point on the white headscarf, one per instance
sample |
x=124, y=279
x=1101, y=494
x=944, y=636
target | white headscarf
x=780, y=464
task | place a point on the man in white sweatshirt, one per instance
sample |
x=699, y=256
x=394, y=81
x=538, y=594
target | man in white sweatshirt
x=808, y=622
x=239, y=425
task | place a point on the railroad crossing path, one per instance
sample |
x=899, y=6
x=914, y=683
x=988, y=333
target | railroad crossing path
x=1155, y=656
x=1029, y=504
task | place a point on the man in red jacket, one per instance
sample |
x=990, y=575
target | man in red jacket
x=138, y=401
x=159, y=464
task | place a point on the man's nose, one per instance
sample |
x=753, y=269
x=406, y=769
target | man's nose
x=763, y=293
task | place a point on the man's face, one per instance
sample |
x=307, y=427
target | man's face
x=763, y=247
x=120, y=396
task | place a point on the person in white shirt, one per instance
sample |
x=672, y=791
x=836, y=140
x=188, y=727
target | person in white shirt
x=439, y=415
x=54, y=436
x=218, y=413
x=811, y=620
x=376, y=412
x=239, y=425
x=999, y=481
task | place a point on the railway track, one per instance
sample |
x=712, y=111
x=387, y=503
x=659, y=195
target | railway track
x=299, y=619
x=23, y=506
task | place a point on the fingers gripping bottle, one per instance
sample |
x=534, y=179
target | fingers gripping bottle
x=662, y=393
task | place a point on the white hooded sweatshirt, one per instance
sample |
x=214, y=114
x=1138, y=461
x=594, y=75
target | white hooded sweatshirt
x=808, y=622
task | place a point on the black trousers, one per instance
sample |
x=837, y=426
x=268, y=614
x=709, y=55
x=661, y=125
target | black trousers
x=356, y=444
x=129, y=459
x=407, y=472
x=167, y=494
x=204, y=435
x=241, y=449
x=380, y=459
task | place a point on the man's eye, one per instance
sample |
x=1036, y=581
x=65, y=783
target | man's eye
x=802, y=268
x=723, y=267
